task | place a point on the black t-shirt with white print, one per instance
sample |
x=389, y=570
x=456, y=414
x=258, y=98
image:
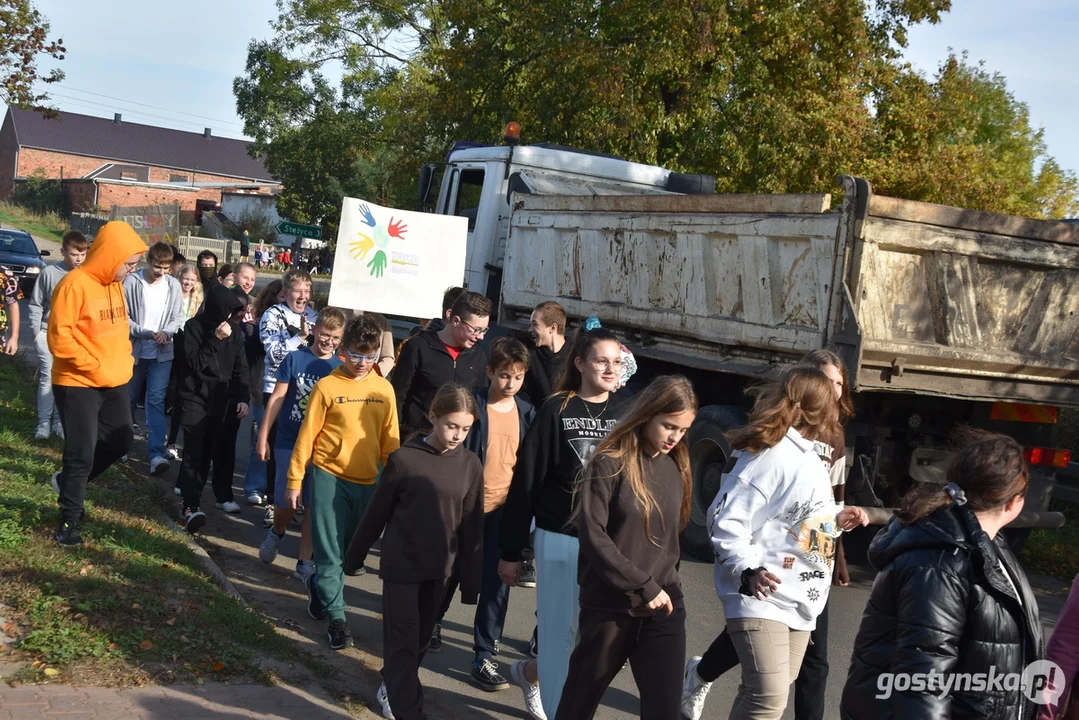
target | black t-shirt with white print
x=554, y=450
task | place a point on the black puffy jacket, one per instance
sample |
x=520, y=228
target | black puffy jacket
x=941, y=603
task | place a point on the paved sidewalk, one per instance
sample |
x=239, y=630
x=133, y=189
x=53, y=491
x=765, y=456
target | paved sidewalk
x=182, y=702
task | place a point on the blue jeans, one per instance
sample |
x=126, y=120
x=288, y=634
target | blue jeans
x=558, y=600
x=156, y=373
x=255, y=475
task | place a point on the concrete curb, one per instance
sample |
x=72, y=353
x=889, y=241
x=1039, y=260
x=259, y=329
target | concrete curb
x=208, y=563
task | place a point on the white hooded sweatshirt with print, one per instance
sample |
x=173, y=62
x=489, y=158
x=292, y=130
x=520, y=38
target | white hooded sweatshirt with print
x=775, y=509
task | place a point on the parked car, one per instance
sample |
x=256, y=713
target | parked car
x=19, y=252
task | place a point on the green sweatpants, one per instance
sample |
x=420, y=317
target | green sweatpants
x=338, y=506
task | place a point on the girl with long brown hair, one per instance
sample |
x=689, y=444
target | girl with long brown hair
x=428, y=508
x=721, y=655
x=950, y=600
x=567, y=430
x=633, y=501
x=773, y=526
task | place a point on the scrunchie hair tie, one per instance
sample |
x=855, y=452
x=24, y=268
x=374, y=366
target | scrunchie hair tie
x=958, y=496
x=591, y=324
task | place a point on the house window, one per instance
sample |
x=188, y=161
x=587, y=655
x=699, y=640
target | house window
x=124, y=175
x=177, y=178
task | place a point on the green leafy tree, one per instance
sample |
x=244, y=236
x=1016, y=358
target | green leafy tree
x=23, y=39
x=768, y=97
x=961, y=138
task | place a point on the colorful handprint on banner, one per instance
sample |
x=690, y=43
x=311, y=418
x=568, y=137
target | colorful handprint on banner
x=378, y=239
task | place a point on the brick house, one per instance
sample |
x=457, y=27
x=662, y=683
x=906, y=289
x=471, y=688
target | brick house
x=111, y=162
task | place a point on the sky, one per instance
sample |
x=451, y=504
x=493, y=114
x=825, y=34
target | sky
x=172, y=63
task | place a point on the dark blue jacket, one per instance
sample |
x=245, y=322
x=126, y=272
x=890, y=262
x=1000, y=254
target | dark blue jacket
x=477, y=437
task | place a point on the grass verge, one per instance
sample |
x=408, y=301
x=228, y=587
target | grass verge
x=50, y=227
x=133, y=605
x=1055, y=552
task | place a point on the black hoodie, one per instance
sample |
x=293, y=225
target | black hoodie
x=430, y=505
x=215, y=370
x=423, y=366
x=544, y=367
x=942, y=604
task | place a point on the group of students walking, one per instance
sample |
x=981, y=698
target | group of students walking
x=465, y=461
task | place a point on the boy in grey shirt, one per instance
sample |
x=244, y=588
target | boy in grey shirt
x=72, y=252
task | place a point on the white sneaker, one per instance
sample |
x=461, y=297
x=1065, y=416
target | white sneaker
x=268, y=548
x=55, y=482
x=159, y=465
x=177, y=491
x=58, y=430
x=694, y=691
x=304, y=570
x=267, y=521
x=254, y=499
x=533, y=704
x=172, y=452
x=230, y=507
x=42, y=431
x=384, y=702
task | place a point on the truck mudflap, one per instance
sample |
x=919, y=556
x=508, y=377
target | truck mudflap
x=1027, y=518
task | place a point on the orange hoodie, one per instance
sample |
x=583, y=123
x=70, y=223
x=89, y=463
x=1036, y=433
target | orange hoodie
x=88, y=331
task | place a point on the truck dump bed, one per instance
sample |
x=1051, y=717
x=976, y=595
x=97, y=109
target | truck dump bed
x=918, y=298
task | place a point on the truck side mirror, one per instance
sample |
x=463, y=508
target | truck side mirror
x=426, y=183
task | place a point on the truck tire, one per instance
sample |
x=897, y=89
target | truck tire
x=708, y=452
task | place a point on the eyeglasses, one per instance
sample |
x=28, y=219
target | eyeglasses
x=477, y=332
x=358, y=357
x=605, y=364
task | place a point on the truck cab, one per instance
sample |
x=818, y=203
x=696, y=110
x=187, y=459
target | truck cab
x=478, y=182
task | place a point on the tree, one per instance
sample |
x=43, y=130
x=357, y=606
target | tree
x=768, y=97
x=23, y=38
x=961, y=138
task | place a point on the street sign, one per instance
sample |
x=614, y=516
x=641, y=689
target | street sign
x=304, y=231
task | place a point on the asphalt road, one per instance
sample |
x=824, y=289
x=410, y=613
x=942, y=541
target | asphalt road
x=445, y=675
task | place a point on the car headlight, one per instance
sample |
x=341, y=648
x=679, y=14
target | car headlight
x=32, y=270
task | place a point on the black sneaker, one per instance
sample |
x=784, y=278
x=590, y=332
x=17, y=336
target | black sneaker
x=339, y=634
x=486, y=676
x=67, y=534
x=194, y=520
x=435, y=643
x=533, y=644
x=498, y=644
x=528, y=575
x=314, y=604
x=357, y=572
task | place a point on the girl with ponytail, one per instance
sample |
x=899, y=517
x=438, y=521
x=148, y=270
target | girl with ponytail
x=773, y=525
x=950, y=600
x=566, y=431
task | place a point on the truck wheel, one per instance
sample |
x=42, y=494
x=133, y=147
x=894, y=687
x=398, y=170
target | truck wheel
x=708, y=452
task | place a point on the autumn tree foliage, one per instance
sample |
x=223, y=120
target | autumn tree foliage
x=768, y=97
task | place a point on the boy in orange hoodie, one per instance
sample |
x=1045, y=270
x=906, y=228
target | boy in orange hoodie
x=91, y=346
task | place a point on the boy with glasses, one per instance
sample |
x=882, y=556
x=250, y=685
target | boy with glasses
x=349, y=431
x=296, y=378
x=153, y=306
x=436, y=357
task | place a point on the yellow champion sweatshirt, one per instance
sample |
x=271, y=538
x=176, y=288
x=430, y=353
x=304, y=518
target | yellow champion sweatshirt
x=349, y=430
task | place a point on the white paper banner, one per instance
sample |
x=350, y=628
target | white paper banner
x=396, y=262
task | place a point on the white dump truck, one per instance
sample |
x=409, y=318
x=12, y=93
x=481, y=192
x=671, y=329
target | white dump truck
x=943, y=316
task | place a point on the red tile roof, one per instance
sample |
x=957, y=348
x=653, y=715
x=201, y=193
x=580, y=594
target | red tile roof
x=131, y=142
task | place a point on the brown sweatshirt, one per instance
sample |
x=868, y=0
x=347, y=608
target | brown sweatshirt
x=620, y=567
x=430, y=505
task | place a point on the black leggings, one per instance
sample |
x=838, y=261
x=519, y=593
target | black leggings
x=812, y=678
x=654, y=646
